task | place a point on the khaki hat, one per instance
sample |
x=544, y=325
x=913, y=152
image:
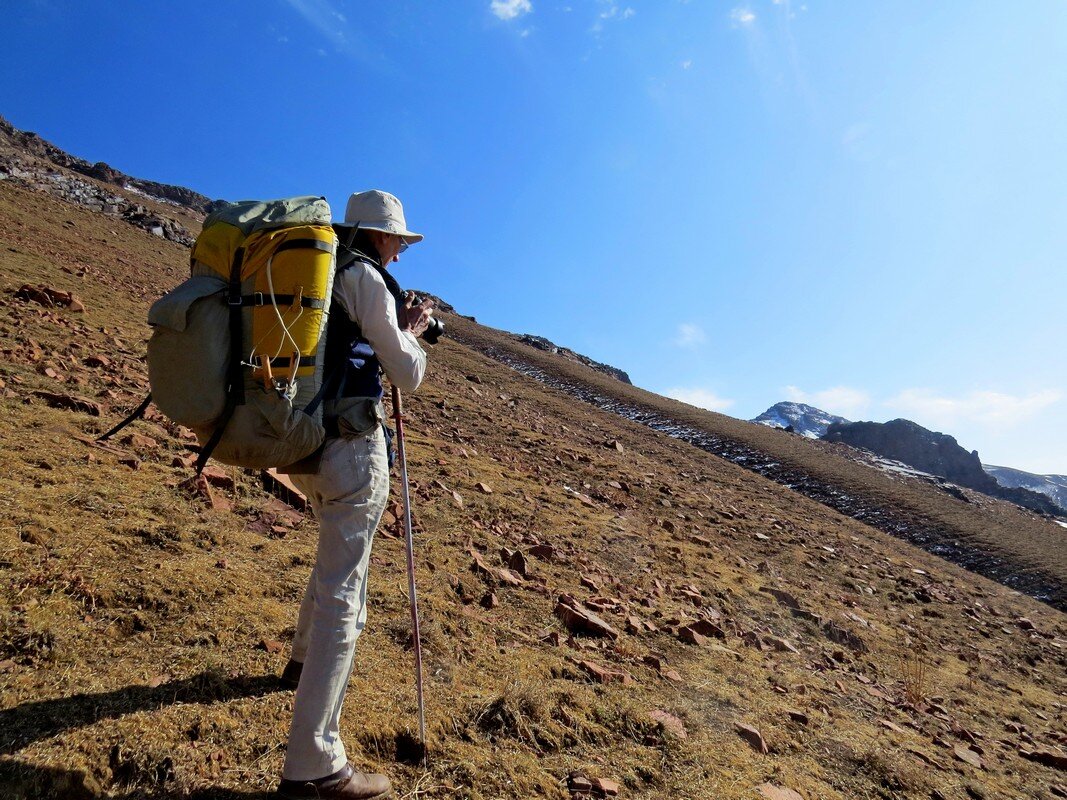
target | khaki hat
x=376, y=210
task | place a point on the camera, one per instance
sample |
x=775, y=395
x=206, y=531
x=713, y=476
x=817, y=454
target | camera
x=435, y=330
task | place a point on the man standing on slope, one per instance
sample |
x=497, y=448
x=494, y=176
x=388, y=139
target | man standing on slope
x=368, y=333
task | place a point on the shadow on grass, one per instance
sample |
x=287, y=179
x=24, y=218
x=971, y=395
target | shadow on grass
x=30, y=722
x=27, y=782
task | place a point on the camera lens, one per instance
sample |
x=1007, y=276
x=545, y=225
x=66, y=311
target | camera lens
x=433, y=331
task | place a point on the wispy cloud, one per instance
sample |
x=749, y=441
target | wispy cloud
x=690, y=335
x=687, y=63
x=844, y=401
x=510, y=9
x=983, y=407
x=743, y=16
x=701, y=398
x=610, y=10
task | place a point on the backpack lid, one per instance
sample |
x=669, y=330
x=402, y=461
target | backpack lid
x=257, y=215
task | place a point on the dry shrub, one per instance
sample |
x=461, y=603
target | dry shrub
x=540, y=716
x=913, y=665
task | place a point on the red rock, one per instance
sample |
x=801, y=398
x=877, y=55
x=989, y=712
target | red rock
x=604, y=675
x=139, y=442
x=797, y=716
x=281, y=486
x=517, y=562
x=272, y=646
x=71, y=403
x=891, y=726
x=489, y=601
x=589, y=583
x=158, y=680
x=133, y=462
x=752, y=736
x=545, y=552
x=1025, y=624
x=605, y=787
x=97, y=361
x=219, y=478
x=967, y=755
x=1050, y=758
x=580, y=620
x=576, y=782
x=781, y=645
x=772, y=792
x=669, y=723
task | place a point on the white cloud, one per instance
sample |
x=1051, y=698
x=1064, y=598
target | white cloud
x=687, y=63
x=627, y=13
x=701, y=398
x=927, y=407
x=510, y=9
x=690, y=335
x=844, y=401
x=742, y=15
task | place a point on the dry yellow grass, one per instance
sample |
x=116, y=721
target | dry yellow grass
x=133, y=615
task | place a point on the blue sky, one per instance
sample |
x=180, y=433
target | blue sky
x=857, y=205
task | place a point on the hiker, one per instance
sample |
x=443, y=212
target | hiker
x=368, y=333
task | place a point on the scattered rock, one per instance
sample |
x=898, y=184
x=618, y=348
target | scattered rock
x=772, y=792
x=967, y=755
x=752, y=736
x=1050, y=758
x=578, y=619
x=489, y=601
x=484, y=488
x=49, y=297
x=605, y=788
x=669, y=723
x=604, y=675
x=272, y=646
x=71, y=403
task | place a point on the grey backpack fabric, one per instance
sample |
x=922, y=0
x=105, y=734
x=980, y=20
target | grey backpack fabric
x=189, y=352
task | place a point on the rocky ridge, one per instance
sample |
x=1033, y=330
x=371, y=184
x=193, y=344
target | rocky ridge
x=935, y=453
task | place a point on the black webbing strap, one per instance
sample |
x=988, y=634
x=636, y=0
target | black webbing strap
x=235, y=389
x=302, y=244
x=137, y=413
x=261, y=299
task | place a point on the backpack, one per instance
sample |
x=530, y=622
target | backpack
x=237, y=350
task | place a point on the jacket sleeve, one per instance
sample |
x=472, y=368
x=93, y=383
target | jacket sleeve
x=368, y=302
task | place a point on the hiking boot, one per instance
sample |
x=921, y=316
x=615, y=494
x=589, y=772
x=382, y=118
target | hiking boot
x=290, y=677
x=346, y=784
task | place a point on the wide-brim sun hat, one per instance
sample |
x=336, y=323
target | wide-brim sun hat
x=376, y=210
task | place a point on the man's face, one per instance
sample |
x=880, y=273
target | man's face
x=389, y=248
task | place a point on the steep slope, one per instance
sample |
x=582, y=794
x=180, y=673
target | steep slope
x=144, y=627
x=802, y=418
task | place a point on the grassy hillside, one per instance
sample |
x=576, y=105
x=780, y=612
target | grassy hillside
x=142, y=628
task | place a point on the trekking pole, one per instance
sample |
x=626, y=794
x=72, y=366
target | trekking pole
x=398, y=415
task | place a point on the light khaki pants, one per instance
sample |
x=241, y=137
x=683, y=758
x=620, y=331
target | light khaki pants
x=348, y=496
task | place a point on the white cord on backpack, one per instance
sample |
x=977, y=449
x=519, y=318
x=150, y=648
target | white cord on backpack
x=281, y=321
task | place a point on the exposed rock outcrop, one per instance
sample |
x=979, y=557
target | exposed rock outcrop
x=936, y=453
x=541, y=343
x=32, y=144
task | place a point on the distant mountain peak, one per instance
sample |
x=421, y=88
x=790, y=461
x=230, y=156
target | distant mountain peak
x=803, y=419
